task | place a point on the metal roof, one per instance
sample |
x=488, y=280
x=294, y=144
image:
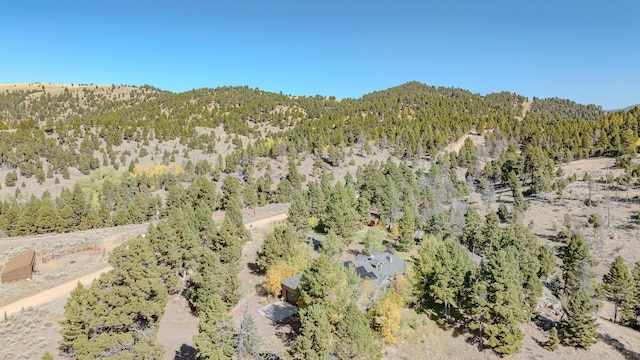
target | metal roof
x=20, y=261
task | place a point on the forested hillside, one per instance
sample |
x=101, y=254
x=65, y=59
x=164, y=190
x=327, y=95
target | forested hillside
x=105, y=156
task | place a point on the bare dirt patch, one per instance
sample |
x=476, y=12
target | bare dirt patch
x=177, y=328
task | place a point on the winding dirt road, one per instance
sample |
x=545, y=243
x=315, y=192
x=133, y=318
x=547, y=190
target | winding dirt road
x=63, y=290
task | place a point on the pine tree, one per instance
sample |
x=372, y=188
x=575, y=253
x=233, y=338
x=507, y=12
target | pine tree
x=444, y=266
x=75, y=321
x=129, y=302
x=552, y=343
x=323, y=282
x=636, y=293
x=341, y=215
x=468, y=154
x=294, y=177
x=547, y=259
x=406, y=229
x=250, y=194
x=354, y=337
x=276, y=247
x=579, y=327
x=472, y=236
x=476, y=307
x=215, y=338
x=230, y=190
x=298, y=216
x=211, y=277
x=315, y=339
x=505, y=297
x=391, y=201
x=332, y=246
x=618, y=286
x=491, y=234
x=247, y=338
x=574, y=255
x=232, y=234
x=316, y=200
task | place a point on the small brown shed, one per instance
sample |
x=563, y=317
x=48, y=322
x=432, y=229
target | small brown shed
x=290, y=289
x=19, y=267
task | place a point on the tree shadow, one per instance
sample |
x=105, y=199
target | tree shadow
x=435, y=313
x=353, y=252
x=616, y=344
x=544, y=323
x=254, y=269
x=288, y=329
x=268, y=356
x=186, y=352
x=552, y=238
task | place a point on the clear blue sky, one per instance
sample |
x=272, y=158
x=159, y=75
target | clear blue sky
x=587, y=51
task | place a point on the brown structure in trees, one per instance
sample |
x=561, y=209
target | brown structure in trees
x=19, y=267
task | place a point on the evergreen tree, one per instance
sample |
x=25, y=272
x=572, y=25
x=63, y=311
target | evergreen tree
x=547, y=260
x=472, y=236
x=618, y=286
x=406, y=229
x=230, y=191
x=212, y=277
x=552, y=343
x=215, y=338
x=390, y=201
x=276, y=247
x=332, y=246
x=232, y=234
x=477, y=307
x=354, y=337
x=505, y=297
x=316, y=200
x=298, y=216
x=324, y=282
x=579, y=327
x=48, y=218
x=315, y=339
x=444, y=268
x=341, y=214
x=294, y=177
x=491, y=234
x=247, y=338
x=575, y=254
x=129, y=302
x=636, y=292
x=468, y=154
x=75, y=321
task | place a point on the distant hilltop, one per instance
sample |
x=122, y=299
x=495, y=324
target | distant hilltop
x=624, y=109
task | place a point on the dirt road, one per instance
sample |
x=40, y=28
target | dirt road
x=52, y=294
x=63, y=290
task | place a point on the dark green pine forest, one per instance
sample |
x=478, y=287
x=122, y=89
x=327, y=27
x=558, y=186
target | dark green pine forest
x=110, y=156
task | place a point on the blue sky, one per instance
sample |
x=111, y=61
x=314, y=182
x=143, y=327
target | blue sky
x=587, y=51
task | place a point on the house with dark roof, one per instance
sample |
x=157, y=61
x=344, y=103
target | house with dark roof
x=378, y=269
x=19, y=267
